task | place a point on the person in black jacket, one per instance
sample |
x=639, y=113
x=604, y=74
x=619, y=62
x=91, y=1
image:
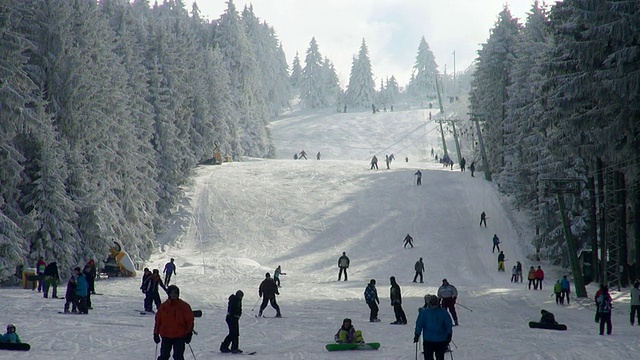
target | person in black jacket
x=234, y=311
x=343, y=264
x=145, y=284
x=268, y=291
x=51, y=279
x=419, y=267
x=396, y=302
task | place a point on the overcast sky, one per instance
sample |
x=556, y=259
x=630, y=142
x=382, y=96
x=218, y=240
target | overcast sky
x=391, y=28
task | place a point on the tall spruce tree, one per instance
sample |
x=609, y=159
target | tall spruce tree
x=361, y=89
x=425, y=71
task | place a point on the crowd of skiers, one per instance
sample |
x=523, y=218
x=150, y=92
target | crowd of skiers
x=303, y=155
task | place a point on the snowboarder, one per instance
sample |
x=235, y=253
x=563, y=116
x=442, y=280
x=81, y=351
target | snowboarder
x=82, y=291
x=169, y=270
x=70, y=295
x=371, y=298
x=51, y=279
x=532, y=278
x=539, y=278
x=343, y=264
x=547, y=317
x=408, y=240
x=501, y=261
x=436, y=328
x=463, y=162
x=303, y=154
x=174, y=324
x=268, y=291
x=566, y=289
x=276, y=275
x=496, y=243
x=449, y=294
x=635, y=302
x=514, y=274
x=472, y=168
x=40, y=266
x=557, y=291
x=604, y=310
x=11, y=336
x=386, y=160
x=153, y=283
x=483, y=219
x=419, y=267
x=347, y=334
x=519, y=270
x=318, y=155
x=396, y=301
x=419, y=180
x=374, y=163
x=234, y=311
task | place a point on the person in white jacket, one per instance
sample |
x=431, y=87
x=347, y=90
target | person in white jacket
x=635, y=302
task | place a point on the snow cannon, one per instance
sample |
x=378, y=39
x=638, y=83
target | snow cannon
x=119, y=263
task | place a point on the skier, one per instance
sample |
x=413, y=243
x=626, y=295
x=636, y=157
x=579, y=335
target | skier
x=419, y=180
x=268, y=291
x=496, y=243
x=169, y=270
x=371, y=298
x=566, y=289
x=153, y=283
x=174, y=323
x=347, y=334
x=40, y=266
x=472, y=168
x=519, y=270
x=463, y=162
x=386, y=160
x=82, y=291
x=234, y=311
x=144, y=286
x=483, y=219
x=396, y=301
x=374, y=163
x=449, y=294
x=539, y=278
x=408, y=240
x=91, y=272
x=51, y=279
x=514, y=274
x=419, y=267
x=435, y=326
x=635, y=302
x=604, y=310
x=11, y=336
x=532, y=278
x=70, y=295
x=343, y=264
x=557, y=291
x=276, y=275
x=318, y=155
x=501, y=261
x=303, y=154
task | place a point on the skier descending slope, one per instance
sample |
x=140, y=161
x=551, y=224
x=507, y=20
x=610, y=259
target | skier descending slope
x=268, y=291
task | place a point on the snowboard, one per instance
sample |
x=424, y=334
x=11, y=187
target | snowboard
x=70, y=313
x=352, y=346
x=13, y=346
x=196, y=313
x=242, y=353
x=537, y=325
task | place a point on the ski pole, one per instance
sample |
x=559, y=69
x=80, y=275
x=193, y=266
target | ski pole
x=156, y=356
x=254, y=306
x=416, y=350
x=454, y=344
x=194, y=355
x=464, y=306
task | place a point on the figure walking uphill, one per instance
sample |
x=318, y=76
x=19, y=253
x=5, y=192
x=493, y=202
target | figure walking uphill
x=483, y=219
x=371, y=297
x=408, y=240
x=419, y=268
x=234, y=311
x=347, y=334
x=374, y=163
x=436, y=328
x=276, y=275
x=174, y=325
x=169, y=270
x=343, y=264
x=395, y=294
x=268, y=291
x=449, y=294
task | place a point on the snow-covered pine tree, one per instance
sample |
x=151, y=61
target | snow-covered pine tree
x=312, y=85
x=296, y=73
x=361, y=90
x=392, y=90
x=425, y=70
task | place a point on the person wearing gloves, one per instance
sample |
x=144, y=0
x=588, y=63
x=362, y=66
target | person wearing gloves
x=234, y=311
x=449, y=294
x=434, y=323
x=174, y=325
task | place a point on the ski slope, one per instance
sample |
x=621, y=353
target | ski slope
x=240, y=220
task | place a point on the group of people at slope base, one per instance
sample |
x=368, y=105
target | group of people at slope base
x=446, y=161
x=80, y=285
x=388, y=159
x=303, y=155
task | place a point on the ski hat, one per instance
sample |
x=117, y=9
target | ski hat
x=267, y=275
x=173, y=288
x=392, y=279
x=11, y=328
x=346, y=320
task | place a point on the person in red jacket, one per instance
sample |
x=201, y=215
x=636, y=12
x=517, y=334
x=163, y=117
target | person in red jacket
x=174, y=323
x=539, y=278
x=40, y=266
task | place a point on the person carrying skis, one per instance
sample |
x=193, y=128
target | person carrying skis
x=449, y=294
x=51, y=279
x=234, y=311
x=532, y=278
x=566, y=289
x=514, y=274
x=483, y=219
x=343, y=264
x=374, y=163
x=436, y=328
x=501, y=261
x=472, y=168
x=371, y=298
x=303, y=154
x=496, y=242
x=347, y=334
x=268, y=291
x=169, y=270
x=154, y=282
x=519, y=270
x=41, y=265
x=396, y=301
x=635, y=302
x=539, y=278
x=11, y=336
x=557, y=291
x=419, y=179
x=604, y=310
x=174, y=325
x=408, y=240
x=276, y=275
x=419, y=268
x=82, y=291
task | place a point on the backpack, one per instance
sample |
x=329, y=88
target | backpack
x=605, y=304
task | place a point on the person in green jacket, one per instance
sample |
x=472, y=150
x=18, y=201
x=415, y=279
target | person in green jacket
x=557, y=289
x=11, y=336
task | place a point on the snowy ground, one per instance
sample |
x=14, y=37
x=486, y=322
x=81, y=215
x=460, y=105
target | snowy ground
x=243, y=219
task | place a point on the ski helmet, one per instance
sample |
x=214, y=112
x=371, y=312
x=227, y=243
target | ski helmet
x=11, y=328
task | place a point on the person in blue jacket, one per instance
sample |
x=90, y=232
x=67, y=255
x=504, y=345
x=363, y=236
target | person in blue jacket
x=82, y=290
x=436, y=327
x=566, y=288
x=11, y=336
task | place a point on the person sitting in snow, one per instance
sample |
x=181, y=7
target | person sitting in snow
x=11, y=336
x=347, y=334
x=547, y=317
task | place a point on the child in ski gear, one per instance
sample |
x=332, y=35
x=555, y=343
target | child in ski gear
x=436, y=328
x=169, y=270
x=70, y=295
x=539, y=278
x=501, y=261
x=449, y=294
x=41, y=265
x=604, y=310
x=419, y=267
x=276, y=275
x=514, y=274
x=408, y=240
x=347, y=334
x=557, y=290
x=82, y=290
x=519, y=270
x=51, y=279
x=343, y=264
x=234, y=311
x=419, y=175
x=268, y=291
x=374, y=162
x=566, y=289
x=496, y=243
x=371, y=297
x=532, y=278
x=174, y=325
x=483, y=216
x=11, y=336
x=547, y=317
x=396, y=301
x=635, y=302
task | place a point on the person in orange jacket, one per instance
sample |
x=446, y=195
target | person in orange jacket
x=174, y=323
